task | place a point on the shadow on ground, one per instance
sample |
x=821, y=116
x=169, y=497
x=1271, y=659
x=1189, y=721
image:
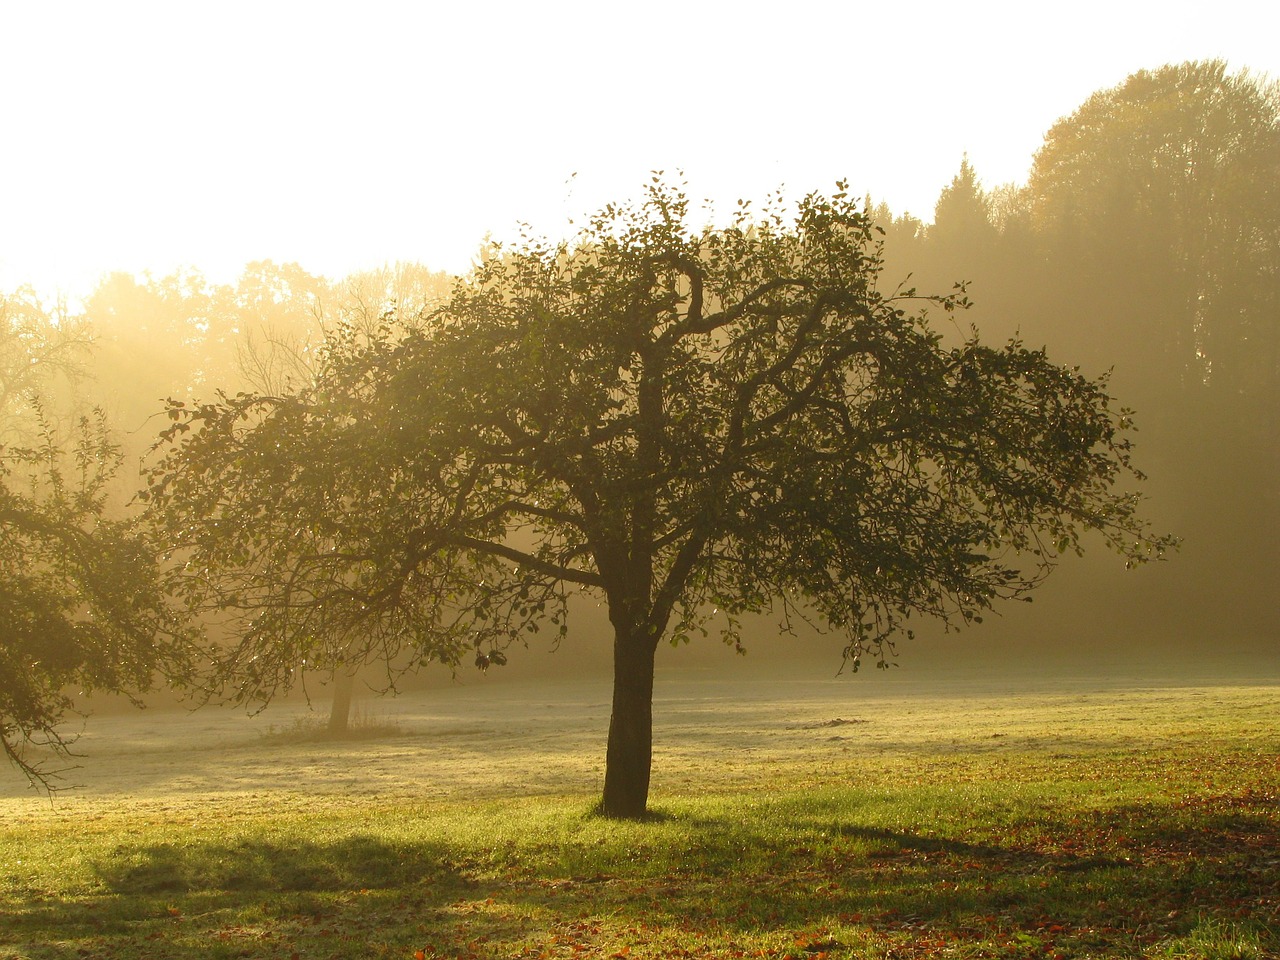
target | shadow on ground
x=1115, y=882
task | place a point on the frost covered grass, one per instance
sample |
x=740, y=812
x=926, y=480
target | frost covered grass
x=1104, y=823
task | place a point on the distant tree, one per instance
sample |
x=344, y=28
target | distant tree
x=1147, y=240
x=1161, y=196
x=903, y=248
x=40, y=355
x=691, y=424
x=366, y=298
x=281, y=351
x=962, y=217
x=81, y=608
x=179, y=335
x=960, y=244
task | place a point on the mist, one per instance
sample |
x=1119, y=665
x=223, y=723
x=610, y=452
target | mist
x=1143, y=245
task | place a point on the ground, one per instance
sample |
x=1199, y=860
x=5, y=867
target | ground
x=480, y=739
x=884, y=816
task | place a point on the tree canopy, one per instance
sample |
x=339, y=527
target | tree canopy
x=692, y=424
x=80, y=601
x=1164, y=194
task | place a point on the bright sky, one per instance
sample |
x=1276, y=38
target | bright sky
x=146, y=136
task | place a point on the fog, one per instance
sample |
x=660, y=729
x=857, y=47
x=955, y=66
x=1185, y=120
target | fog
x=1144, y=245
x=477, y=739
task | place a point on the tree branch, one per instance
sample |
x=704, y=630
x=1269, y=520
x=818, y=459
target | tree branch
x=584, y=578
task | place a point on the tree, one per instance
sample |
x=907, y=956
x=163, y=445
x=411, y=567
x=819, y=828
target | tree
x=1147, y=240
x=959, y=244
x=80, y=602
x=35, y=352
x=178, y=335
x=691, y=424
x=962, y=224
x=1164, y=195
x=81, y=605
x=280, y=351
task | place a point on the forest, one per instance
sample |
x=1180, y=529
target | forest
x=1143, y=250
x=1146, y=242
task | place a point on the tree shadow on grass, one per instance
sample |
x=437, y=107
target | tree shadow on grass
x=258, y=866
x=153, y=893
x=1113, y=883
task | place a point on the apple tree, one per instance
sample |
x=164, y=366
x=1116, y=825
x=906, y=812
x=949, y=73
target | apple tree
x=691, y=424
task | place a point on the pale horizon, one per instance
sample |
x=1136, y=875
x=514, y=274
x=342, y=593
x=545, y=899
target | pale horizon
x=147, y=137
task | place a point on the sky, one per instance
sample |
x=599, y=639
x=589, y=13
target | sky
x=147, y=136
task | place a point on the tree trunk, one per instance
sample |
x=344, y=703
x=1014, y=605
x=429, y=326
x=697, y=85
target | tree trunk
x=630, y=751
x=344, y=684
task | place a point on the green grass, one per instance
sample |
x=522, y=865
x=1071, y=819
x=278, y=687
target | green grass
x=1166, y=852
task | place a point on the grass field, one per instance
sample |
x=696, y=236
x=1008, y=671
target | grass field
x=792, y=819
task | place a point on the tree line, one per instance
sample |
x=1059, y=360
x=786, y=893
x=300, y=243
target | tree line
x=694, y=424
x=1146, y=242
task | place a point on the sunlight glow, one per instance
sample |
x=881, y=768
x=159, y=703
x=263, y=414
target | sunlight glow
x=145, y=136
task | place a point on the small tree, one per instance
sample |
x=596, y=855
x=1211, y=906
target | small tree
x=692, y=424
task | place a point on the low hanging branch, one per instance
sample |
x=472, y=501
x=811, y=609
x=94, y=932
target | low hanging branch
x=80, y=596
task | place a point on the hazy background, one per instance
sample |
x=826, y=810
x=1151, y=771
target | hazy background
x=154, y=150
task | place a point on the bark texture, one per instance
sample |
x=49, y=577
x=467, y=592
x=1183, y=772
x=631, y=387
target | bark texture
x=630, y=750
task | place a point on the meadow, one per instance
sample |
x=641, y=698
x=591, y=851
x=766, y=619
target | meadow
x=791, y=818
